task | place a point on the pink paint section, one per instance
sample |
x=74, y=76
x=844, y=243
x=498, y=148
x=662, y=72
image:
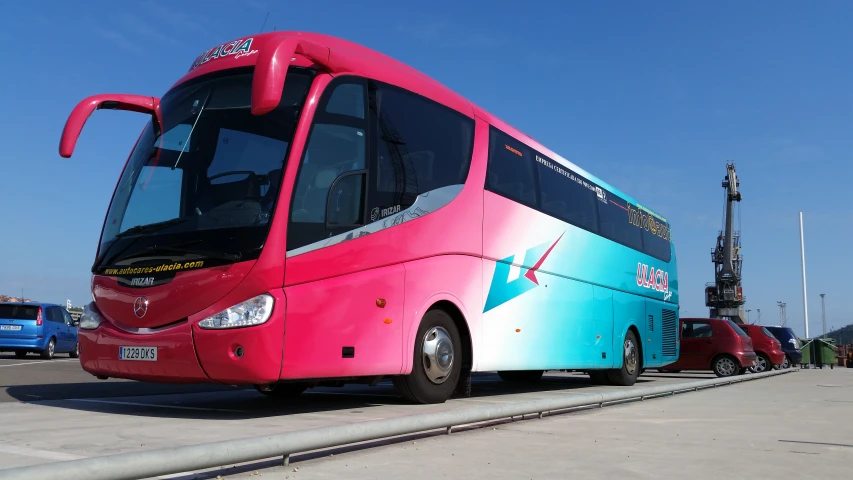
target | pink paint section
x=262, y=344
x=176, y=360
x=188, y=293
x=531, y=274
x=324, y=317
x=452, y=278
x=81, y=113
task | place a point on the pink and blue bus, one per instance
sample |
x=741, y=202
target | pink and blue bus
x=301, y=211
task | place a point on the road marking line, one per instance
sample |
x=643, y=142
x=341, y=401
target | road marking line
x=32, y=452
x=155, y=405
x=46, y=362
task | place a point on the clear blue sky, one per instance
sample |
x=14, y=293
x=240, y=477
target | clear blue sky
x=652, y=96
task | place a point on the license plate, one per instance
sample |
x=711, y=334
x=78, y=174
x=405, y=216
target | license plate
x=145, y=354
x=10, y=327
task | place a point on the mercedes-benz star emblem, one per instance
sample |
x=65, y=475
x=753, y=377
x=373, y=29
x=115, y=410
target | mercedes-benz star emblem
x=140, y=307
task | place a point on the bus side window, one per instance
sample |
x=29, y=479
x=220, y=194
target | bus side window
x=337, y=144
x=511, y=172
x=421, y=146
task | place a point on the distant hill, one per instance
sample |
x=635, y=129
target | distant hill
x=842, y=336
x=8, y=298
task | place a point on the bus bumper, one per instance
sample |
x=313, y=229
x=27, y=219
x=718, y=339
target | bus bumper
x=188, y=354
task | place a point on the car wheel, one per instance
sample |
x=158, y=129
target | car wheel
x=49, y=350
x=76, y=352
x=761, y=365
x=725, y=366
x=522, y=376
x=787, y=362
x=627, y=375
x=436, y=363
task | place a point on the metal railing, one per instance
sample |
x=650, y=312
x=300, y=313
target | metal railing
x=152, y=463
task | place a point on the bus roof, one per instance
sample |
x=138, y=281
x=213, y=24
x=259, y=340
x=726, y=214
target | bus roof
x=352, y=58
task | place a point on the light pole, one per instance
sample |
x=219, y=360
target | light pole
x=823, y=313
x=758, y=320
x=747, y=315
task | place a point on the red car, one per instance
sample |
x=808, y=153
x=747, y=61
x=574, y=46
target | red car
x=713, y=344
x=766, y=346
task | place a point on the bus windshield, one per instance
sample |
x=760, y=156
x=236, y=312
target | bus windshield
x=208, y=177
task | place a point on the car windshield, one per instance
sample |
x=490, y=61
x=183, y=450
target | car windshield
x=209, y=177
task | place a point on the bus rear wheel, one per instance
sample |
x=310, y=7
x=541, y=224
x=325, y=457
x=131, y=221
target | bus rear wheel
x=437, y=361
x=631, y=363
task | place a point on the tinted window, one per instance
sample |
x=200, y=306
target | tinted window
x=337, y=144
x=736, y=328
x=616, y=214
x=19, y=312
x=511, y=172
x=565, y=195
x=526, y=176
x=421, y=146
x=696, y=330
x=767, y=333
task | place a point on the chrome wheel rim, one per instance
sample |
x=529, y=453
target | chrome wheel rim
x=630, y=356
x=726, y=366
x=760, y=365
x=50, y=348
x=438, y=355
x=787, y=363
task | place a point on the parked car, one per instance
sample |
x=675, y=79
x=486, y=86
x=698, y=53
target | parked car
x=766, y=346
x=790, y=345
x=713, y=344
x=43, y=328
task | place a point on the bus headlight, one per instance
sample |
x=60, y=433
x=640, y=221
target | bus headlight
x=246, y=314
x=90, y=318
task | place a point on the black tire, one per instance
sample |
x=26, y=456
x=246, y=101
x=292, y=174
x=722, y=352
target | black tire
x=631, y=363
x=758, y=368
x=788, y=363
x=76, y=352
x=284, y=390
x=599, y=377
x=20, y=354
x=725, y=366
x=439, y=334
x=50, y=350
x=521, y=376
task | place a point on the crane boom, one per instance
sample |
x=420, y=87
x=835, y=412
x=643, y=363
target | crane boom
x=725, y=297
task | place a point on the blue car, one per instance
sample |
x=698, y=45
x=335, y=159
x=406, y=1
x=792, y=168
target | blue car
x=790, y=345
x=43, y=328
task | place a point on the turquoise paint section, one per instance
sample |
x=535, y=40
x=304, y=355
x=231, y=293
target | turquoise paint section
x=504, y=289
x=603, y=308
x=628, y=311
x=654, y=338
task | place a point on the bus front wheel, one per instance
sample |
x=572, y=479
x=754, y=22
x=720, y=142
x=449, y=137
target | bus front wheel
x=437, y=361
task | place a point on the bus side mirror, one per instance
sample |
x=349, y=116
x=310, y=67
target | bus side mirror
x=345, y=201
x=81, y=113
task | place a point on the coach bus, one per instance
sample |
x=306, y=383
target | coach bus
x=301, y=210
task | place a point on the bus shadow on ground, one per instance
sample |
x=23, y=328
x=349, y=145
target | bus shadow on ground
x=219, y=402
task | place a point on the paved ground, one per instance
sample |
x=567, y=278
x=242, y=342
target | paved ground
x=791, y=426
x=797, y=425
x=55, y=411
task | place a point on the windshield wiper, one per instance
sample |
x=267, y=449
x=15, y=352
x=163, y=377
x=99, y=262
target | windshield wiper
x=151, y=226
x=192, y=251
x=135, y=230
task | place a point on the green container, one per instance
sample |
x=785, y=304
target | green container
x=824, y=353
x=805, y=349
